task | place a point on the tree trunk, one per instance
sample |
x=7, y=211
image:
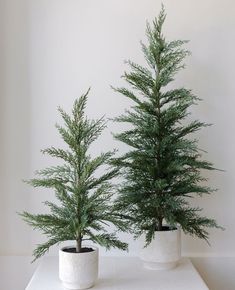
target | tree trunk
x=159, y=224
x=78, y=244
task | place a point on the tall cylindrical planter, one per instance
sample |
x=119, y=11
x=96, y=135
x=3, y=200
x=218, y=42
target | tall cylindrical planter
x=164, y=251
x=78, y=270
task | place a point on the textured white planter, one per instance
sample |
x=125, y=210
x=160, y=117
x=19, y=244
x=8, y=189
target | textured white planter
x=78, y=270
x=164, y=251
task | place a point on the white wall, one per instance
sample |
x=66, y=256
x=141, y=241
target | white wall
x=51, y=51
x=15, y=122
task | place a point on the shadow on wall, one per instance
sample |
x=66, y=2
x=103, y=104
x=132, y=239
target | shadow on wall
x=14, y=124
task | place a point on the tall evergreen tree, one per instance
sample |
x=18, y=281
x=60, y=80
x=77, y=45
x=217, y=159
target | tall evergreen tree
x=162, y=170
x=84, y=208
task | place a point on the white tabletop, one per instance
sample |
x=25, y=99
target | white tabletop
x=15, y=272
x=123, y=273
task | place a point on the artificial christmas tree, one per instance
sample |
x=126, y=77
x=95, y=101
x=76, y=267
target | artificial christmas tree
x=162, y=170
x=85, y=208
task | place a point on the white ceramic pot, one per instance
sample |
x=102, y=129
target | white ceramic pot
x=164, y=252
x=78, y=270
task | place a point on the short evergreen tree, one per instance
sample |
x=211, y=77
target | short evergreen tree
x=162, y=170
x=85, y=206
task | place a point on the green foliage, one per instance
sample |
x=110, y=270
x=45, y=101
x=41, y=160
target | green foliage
x=162, y=170
x=85, y=208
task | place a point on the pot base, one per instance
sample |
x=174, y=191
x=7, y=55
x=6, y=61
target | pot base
x=78, y=270
x=75, y=286
x=163, y=253
x=159, y=266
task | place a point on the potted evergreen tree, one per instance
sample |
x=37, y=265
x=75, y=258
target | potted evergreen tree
x=162, y=170
x=84, y=209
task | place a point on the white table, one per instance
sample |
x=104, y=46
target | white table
x=121, y=273
x=15, y=272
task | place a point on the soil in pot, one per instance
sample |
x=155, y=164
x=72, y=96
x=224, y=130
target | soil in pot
x=73, y=250
x=165, y=229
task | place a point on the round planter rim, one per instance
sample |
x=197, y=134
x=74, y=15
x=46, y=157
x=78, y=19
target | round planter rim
x=95, y=249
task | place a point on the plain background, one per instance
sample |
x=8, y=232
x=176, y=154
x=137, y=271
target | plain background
x=51, y=51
